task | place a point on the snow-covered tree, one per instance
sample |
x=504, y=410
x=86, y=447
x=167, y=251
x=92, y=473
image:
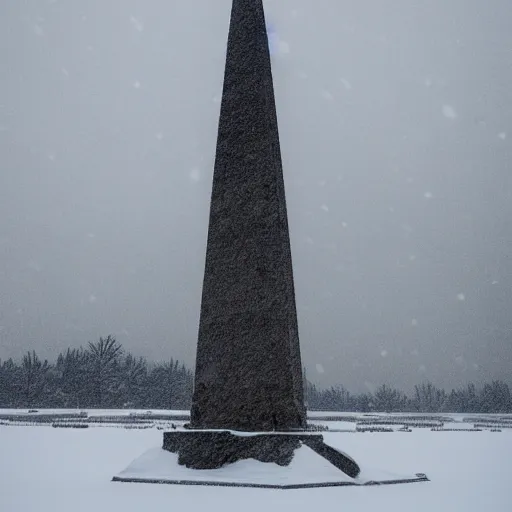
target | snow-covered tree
x=34, y=378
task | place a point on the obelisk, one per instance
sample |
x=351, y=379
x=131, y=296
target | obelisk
x=248, y=367
x=248, y=400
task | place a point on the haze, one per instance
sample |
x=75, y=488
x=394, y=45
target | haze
x=396, y=129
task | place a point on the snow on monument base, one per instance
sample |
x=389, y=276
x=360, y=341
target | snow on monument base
x=306, y=469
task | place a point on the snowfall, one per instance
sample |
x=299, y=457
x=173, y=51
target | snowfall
x=65, y=469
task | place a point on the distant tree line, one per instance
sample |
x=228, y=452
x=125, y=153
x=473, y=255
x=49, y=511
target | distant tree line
x=494, y=397
x=103, y=375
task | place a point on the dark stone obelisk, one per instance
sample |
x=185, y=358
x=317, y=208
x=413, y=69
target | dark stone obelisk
x=248, y=367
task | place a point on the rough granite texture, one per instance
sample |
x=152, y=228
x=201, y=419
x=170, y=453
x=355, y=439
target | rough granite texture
x=248, y=368
x=214, y=449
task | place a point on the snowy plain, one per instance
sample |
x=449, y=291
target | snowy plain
x=51, y=469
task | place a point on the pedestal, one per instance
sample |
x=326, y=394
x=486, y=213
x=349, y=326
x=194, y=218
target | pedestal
x=275, y=460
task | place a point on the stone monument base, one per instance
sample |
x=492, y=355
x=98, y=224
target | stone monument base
x=287, y=460
x=213, y=449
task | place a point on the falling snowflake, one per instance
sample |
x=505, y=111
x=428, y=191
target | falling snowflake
x=159, y=136
x=428, y=195
x=344, y=224
x=327, y=95
x=319, y=368
x=92, y=298
x=137, y=25
x=136, y=84
x=461, y=297
x=325, y=208
x=346, y=84
x=38, y=30
x=384, y=353
x=502, y=135
x=449, y=112
x=414, y=322
x=195, y=175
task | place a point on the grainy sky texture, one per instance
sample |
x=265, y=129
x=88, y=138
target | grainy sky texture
x=396, y=132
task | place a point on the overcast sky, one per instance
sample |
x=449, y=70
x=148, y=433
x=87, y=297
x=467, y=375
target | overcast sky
x=396, y=130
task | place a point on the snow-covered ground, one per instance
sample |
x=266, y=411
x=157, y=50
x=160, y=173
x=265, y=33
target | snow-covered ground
x=69, y=470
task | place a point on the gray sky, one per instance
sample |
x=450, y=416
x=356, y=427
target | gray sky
x=396, y=131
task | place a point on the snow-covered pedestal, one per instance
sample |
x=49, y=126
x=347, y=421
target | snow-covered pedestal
x=269, y=460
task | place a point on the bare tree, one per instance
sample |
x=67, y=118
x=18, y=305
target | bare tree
x=103, y=365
